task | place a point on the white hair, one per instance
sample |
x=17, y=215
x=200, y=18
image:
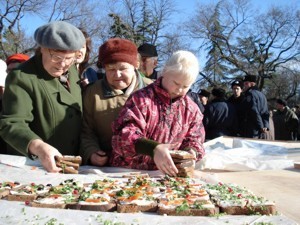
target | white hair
x=183, y=62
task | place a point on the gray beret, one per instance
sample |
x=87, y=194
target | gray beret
x=59, y=35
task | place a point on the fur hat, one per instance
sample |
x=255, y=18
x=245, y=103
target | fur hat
x=218, y=92
x=118, y=50
x=250, y=78
x=147, y=50
x=204, y=93
x=237, y=83
x=17, y=58
x=59, y=35
x=3, y=73
x=281, y=102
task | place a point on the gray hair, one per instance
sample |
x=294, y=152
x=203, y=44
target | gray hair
x=184, y=62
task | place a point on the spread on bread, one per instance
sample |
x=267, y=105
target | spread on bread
x=167, y=196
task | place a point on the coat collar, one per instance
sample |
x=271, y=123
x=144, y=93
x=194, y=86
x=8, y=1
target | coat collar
x=53, y=85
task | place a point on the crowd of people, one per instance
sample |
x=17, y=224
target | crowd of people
x=121, y=112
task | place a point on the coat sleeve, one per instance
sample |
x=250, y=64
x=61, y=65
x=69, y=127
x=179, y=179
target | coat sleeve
x=89, y=140
x=17, y=112
x=127, y=129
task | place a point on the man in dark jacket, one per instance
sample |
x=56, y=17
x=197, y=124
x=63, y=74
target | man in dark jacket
x=236, y=99
x=285, y=122
x=219, y=116
x=255, y=110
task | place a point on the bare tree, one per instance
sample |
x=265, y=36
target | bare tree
x=11, y=32
x=249, y=44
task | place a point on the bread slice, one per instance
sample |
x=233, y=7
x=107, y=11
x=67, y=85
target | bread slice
x=180, y=154
x=251, y=210
x=28, y=192
x=134, y=207
x=67, y=164
x=235, y=200
x=184, y=163
x=56, y=201
x=182, y=207
x=102, y=207
x=69, y=158
x=68, y=169
x=4, y=192
x=188, y=212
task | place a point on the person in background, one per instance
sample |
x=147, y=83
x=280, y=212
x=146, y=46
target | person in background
x=159, y=118
x=94, y=72
x=220, y=118
x=203, y=96
x=103, y=100
x=149, y=60
x=82, y=58
x=237, y=99
x=195, y=97
x=255, y=110
x=3, y=74
x=42, y=103
x=285, y=122
x=15, y=60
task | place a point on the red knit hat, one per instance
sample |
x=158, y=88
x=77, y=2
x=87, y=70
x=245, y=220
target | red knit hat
x=17, y=58
x=118, y=50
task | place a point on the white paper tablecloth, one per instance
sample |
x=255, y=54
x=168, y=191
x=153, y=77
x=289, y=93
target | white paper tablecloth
x=11, y=169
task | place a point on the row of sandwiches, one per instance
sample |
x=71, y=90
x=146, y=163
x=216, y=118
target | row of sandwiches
x=141, y=193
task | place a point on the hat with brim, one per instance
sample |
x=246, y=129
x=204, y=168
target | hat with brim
x=237, y=83
x=218, y=92
x=281, y=102
x=250, y=78
x=147, y=50
x=59, y=35
x=204, y=93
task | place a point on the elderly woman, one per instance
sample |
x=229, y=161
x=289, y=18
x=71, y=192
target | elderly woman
x=103, y=100
x=42, y=104
x=159, y=118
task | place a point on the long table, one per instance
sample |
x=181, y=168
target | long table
x=284, y=191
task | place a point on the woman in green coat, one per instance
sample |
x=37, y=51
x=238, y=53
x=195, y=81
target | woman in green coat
x=42, y=103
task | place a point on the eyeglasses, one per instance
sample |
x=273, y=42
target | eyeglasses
x=59, y=59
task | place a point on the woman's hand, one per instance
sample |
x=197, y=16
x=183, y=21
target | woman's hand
x=99, y=158
x=46, y=154
x=163, y=160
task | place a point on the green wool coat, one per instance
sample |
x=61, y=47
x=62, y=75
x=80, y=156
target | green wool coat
x=37, y=106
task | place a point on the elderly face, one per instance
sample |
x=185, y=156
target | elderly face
x=148, y=65
x=119, y=75
x=176, y=84
x=57, y=62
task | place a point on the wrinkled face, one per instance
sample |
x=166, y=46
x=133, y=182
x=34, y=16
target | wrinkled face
x=148, y=65
x=176, y=84
x=119, y=75
x=57, y=62
x=81, y=54
x=237, y=91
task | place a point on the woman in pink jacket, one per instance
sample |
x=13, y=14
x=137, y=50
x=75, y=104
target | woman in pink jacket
x=159, y=118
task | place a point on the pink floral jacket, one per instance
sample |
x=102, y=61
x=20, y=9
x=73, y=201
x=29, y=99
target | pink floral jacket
x=150, y=113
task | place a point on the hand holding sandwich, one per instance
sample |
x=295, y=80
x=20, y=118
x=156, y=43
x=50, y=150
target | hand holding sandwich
x=163, y=160
x=45, y=153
